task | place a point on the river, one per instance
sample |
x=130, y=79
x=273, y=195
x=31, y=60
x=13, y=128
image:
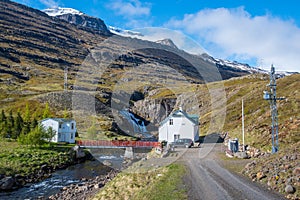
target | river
x=72, y=175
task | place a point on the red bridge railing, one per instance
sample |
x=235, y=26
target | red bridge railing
x=117, y=143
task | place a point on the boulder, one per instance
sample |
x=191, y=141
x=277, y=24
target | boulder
x=296, y=171
x=107, y=163
x=242, y=155
x=260, y=175
x=79, y=152
x=7, y=183
x=289, y=189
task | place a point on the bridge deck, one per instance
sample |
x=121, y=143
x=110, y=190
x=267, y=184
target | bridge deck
x=116, y=144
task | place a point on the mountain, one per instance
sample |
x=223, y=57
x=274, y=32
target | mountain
x=167, y=42
x=84, y=21
x=61, y=11
x=104, y=68
x=78, y=18
x=124, y=33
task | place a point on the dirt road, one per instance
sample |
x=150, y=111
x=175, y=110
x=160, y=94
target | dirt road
x=207, y=179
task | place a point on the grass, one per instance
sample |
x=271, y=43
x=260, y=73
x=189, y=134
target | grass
x=24, y=160
x=257, y=111
x=164, y=183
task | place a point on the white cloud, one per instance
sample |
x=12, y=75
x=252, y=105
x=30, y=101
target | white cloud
x=234, y=33
x=130, y=8
x=50, y=3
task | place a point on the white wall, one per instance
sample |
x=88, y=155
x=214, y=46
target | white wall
x=65, y=131
x=54, y=124
x=181, y=126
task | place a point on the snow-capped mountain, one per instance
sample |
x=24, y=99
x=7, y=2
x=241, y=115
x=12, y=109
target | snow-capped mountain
x=79, y=18
x=233, y=64
x=125, y=33
x=167, y=42
x=53, y=12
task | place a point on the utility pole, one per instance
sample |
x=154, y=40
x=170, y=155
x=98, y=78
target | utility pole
x=271, y=96
x=65, y=79
x=243, y=126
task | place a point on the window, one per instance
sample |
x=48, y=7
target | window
x=171, y=122
x=176, y=137
x=72, y=126
x=59, y=135
x=59, y=125
x=71, y=135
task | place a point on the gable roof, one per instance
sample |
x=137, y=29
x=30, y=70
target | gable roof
x=193, y=118
x=60, y=120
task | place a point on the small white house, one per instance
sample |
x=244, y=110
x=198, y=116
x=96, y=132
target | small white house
x=65, y=129
x=177, y=125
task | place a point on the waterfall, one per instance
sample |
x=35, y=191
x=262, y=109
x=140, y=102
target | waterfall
x=137, y=124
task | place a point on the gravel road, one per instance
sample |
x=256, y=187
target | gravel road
x=207, y=179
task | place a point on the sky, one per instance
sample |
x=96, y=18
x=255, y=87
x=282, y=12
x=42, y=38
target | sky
x=256, y=32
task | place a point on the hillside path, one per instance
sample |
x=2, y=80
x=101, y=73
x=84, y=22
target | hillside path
x=207, y=179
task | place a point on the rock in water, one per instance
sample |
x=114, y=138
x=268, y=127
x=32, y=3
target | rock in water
x=7, y=183
x=79, y=152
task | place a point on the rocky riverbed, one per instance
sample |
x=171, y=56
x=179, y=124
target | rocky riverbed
x=86, y=189
x=74, y=156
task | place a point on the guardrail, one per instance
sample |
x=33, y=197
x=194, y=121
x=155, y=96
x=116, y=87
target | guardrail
x=116, y=143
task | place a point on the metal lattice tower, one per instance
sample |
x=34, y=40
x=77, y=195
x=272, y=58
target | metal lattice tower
x=66, y=79
x=274, y=112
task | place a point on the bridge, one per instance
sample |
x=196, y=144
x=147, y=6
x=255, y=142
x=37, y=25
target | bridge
x=116, y=144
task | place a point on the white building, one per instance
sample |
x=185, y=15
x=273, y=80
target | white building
x=177, y=125
x=65, y=129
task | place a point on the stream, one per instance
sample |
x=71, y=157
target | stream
x=71, y=175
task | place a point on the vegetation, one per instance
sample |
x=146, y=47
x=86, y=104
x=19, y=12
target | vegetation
x=161, y=184
x=25, y=130
x=23, y=160
x=257, y=110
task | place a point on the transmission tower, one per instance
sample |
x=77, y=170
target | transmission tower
x=65, y=79
x=271, y=96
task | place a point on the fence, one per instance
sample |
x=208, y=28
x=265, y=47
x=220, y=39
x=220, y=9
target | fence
x=116, y=143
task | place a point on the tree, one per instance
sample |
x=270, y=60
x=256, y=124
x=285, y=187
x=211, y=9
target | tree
x=18, y=126
x=26, y=121
x=46, y=113
x=33, y=138
x=27, y=116
x=66, y=114
x=49, y=134
x=92, y=132
x=34, y=123
x=10, y=125
x=3, y=116
x=3, y=124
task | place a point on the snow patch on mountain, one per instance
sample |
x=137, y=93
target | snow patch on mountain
x=53, y=12
x=124, y=33
x=167, y=42
x=233, y=64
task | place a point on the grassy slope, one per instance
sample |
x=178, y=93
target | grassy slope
x=257, y=110
x=164, y=183
x=23, y=160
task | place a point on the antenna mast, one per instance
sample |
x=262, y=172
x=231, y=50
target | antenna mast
x=274, y=112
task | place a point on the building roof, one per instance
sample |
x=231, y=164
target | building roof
x=193, y=118
x=60, y=120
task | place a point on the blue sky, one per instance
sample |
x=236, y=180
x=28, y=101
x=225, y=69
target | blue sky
x=256, y=32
